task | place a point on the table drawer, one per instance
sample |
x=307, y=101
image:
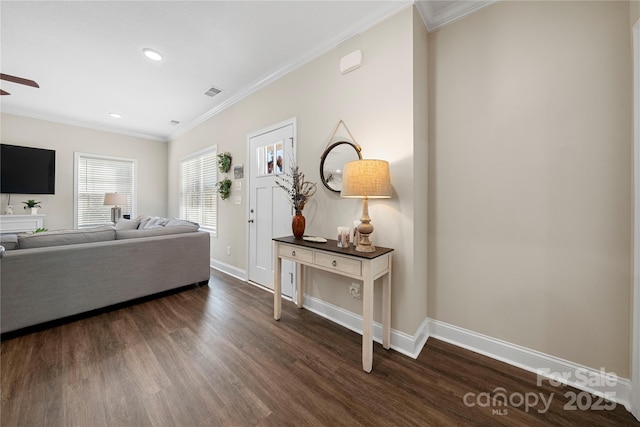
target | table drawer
x=336, y=262
x=294, y=253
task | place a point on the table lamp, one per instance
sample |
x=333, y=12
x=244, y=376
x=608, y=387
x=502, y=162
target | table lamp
x=366, y=179
x=113, y=200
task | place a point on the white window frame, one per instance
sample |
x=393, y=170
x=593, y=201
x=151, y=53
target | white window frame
x=213, y=230
x=76, y=162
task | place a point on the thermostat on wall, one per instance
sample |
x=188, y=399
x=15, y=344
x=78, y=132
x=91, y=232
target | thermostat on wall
x=351, y=61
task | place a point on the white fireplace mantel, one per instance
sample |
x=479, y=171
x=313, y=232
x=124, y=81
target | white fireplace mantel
x=21, y=223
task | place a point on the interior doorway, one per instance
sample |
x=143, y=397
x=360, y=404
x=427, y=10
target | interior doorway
x=271, y=151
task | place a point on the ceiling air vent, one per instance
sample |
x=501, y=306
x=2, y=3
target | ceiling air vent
x=212, y=91
x=174, y=122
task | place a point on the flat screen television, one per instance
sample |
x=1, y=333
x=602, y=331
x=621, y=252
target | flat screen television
x=27, y=170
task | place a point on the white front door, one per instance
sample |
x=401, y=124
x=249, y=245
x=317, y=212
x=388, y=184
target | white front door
x=271, y=152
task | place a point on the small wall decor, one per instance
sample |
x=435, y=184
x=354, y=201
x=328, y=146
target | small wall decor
x=339, y=151
x=224, y=162
x=224, y=188
x=238, y=172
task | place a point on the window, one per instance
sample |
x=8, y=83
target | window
x=96, y=175
x=198, y=189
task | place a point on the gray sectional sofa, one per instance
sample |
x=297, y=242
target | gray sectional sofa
x=52, y=275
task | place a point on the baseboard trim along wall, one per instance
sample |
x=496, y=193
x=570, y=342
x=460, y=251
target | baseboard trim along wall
x=400, y=342
x=547, y=367
x=594, y=381
x=231, y=270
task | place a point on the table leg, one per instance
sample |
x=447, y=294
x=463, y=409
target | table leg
x=367, y=321
x=386, y=308
x=299, y=285
x=277, y=285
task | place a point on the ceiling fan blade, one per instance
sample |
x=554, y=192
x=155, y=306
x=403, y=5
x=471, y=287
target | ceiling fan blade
x=4, y=92
x=18, y=80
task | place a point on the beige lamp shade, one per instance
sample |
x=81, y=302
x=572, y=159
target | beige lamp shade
x=115, y=199
x=366, y=178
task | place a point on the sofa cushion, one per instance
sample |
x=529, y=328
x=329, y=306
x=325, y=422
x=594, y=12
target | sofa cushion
x=127, y=224
x=152, y=222
x=66, y=237
x=9, y=241
x=176, y=221
x=150, y=232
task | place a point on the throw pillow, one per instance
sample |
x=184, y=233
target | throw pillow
x=153, y=222
x=176, y=221
x=127, y=224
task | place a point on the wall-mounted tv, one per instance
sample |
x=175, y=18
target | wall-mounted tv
x=27, y=170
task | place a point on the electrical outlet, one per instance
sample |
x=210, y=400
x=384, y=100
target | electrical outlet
x=354, y=290
x=228, y=250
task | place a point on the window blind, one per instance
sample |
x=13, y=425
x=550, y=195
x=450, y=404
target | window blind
x=199, y=189
x=97, y=175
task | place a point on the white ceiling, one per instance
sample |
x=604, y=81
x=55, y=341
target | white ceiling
x=87, y=55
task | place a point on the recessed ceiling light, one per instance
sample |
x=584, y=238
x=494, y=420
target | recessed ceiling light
x=115, y=115
x=152, y=54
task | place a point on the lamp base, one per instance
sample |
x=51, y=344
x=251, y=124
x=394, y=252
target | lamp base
x=365, y=246
x=365, y=229
x=116, y=214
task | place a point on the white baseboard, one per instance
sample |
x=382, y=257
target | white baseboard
x=400, y=342
x=594, y=381
x=551, y=367
x=229, y=269
x=548, y=367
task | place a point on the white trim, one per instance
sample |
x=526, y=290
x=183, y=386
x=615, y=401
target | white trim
x=82, y=124
x=390, y=9
x=200, y=153
x=76, y=158
x=293, y=121
x=635, y=324
x=594, y=381
x=534, y=361
x=229, y=269
x=400, y=341
x=454, y=11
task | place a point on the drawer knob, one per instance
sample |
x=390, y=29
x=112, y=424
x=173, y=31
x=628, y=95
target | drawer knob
x=293, y=253
x=334, y=263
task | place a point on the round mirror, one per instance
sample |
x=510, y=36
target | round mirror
x=333, y=160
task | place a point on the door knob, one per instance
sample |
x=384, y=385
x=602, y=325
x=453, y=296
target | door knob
x=251, y=220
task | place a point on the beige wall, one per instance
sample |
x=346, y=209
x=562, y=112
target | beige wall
x=509, y=139
x=66, y=139
x=376, y=103
x=420, y=158
x=529, y=206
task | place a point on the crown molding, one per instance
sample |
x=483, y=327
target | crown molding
x=455, y=10
x=382, y=14
x=81, y=124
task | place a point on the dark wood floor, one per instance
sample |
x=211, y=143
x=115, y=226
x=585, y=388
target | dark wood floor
x=214, y=356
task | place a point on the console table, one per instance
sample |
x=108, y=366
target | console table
x=363, y=266
x=20, y=223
